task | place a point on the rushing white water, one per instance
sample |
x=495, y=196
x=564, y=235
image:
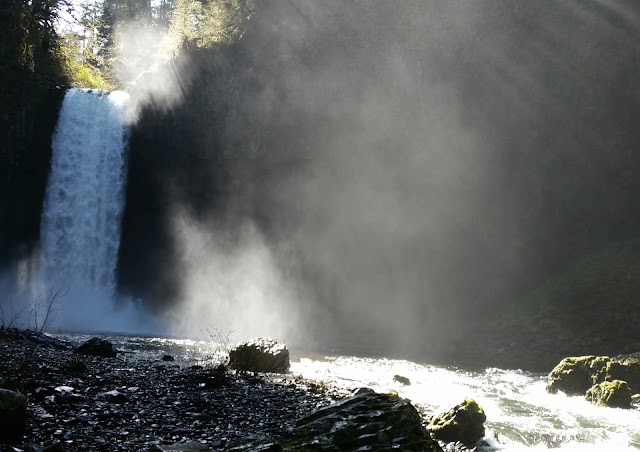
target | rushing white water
x=521, y=415
x=80, y=230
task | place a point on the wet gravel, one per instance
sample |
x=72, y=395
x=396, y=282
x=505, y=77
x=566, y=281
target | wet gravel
x=140, y=402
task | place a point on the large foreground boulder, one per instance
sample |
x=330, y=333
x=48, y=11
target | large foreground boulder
x=614, y=394
x=575, y=375
x=366, y=421
x=97, y=347
x=260, y=355
x=463, y=423
x=13, y=415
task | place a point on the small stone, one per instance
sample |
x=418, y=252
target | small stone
x=114, y=396
x=64, y=389
x=402, y=380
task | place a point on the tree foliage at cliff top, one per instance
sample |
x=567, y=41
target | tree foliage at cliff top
x=115, y=41
x=29, y=44
x=108, y=43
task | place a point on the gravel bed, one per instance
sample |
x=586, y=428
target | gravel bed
x=141, y=403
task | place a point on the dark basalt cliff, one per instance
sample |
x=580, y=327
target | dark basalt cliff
x=28, y=117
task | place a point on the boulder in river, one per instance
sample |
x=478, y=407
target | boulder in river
x=13, y=415
x=614, y=394
x=463, y=423
x=575, y=375
x=97, y=347
x=626, y=370
x=260, y=355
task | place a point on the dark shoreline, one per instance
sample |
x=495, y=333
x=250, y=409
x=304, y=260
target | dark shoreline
x=137, y=402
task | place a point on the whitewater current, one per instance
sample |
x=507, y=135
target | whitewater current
x=521, y=415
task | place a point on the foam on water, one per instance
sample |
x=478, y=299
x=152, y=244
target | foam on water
x=521, y=415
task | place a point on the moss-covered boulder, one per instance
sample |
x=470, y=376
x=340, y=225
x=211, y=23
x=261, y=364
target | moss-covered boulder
x=614, y=394
x=366, y=421
x=463, y=423
x=575, y=375
x=626, y=370
x=13, y=415
x=260, y=355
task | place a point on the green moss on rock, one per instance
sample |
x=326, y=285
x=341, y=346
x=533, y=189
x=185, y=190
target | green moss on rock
x=463, y=423
x=614, y=394
x=626, y=370
x=575, y=375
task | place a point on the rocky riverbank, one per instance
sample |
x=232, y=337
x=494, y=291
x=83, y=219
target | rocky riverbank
x=132, y=402
x=149, y=401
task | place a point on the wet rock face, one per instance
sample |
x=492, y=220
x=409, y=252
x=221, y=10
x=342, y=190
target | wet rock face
x=365, y=421
x=614, y=394
x=13, y=415
x=97, y=347
x=575, y=375
x=464, y=423
x=626, y=370
x=260, y=355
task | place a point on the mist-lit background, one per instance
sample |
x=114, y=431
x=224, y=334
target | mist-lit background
x=384, y=176
x=383, y=173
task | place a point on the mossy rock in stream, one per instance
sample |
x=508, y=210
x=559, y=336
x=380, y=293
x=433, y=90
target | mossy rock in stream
x=366, y=421
x=626, y=370
x=575, y=375
x=463, y=423
x=614, y=394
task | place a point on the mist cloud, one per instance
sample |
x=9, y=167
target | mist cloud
x=411, y=166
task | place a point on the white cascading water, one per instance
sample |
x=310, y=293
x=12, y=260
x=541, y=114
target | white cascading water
x=84, y=202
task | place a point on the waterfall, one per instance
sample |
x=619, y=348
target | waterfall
x=81, y=216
